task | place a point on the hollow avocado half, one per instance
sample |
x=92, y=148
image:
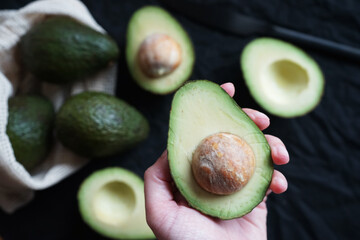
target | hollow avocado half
x=144, y=23
x=111, y=201
x=281, y=77
x=202, y=108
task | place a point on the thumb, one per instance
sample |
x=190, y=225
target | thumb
x=159, y=198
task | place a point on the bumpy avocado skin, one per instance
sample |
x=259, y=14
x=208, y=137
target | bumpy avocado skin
x=61, y=50
x=94, y=124
x=29, y=128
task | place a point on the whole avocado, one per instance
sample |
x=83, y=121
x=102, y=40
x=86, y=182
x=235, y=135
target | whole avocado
x=62, y=50
x=95, y=124
x=29, y=128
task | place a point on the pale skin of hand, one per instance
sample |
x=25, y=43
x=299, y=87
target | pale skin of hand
x=170, y=217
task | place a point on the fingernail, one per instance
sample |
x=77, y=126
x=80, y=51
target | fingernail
x=279, y=185
x=262, y=120
x=261, y=115
x=230, y=84
x=252, y=116
x=282, y=152
x=283, y=184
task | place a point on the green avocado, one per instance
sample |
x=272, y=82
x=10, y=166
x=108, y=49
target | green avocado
x=281, y=77
x=95, y=124
x=201, y=110
x=112, y=202
x=29, y=128
x=159, y=52
x=62, y=50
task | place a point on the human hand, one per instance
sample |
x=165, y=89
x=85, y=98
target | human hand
x=170, y=217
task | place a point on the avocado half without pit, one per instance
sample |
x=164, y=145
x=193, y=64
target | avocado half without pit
x=112, y=202
x=159, y=53
x=219, y=159
x=281, y=77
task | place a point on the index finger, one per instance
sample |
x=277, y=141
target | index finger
x=158, y=187
x=260, y=119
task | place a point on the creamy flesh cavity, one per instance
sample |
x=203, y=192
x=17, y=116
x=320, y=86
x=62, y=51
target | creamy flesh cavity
x=200, y=109
x=112, y=202
x=281, y=77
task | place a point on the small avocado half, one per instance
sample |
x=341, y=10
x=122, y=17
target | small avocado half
x=159, y=52
x=201, y=109
x=281, y=77
x=112, y=202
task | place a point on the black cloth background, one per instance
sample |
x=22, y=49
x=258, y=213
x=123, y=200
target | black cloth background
x=323, y=198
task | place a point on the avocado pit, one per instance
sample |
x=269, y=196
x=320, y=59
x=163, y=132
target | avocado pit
x=223, y=163
x=159, y=55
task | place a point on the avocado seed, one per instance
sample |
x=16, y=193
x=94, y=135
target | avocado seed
x=159, y=55
x=223, y=163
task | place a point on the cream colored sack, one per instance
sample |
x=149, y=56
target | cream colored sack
x=16, y=184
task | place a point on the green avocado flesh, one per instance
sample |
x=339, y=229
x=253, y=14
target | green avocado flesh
x=29, y=128
x=95, y=124
x=112, y=202
x=281, y=77
x=145, y=22
x=202, y=108
x=62, y=50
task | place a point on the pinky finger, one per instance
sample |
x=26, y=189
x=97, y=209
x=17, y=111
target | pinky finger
x=278, y=183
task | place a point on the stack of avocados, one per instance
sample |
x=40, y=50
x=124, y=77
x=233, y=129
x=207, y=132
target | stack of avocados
x=283, y=79
x=60, y=50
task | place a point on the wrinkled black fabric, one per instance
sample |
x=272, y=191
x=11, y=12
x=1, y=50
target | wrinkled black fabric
x=323, y=199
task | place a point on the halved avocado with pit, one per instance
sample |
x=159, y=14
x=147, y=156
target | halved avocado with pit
x=112, y=202
x=219, y=159
x=281, y=77
x=159, y=52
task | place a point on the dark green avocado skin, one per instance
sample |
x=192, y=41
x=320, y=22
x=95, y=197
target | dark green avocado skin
x=95, y=124
x=62, y=50
x=29, y=128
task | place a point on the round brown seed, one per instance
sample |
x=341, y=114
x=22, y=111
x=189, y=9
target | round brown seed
x=159, y=55
x=223, y=163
